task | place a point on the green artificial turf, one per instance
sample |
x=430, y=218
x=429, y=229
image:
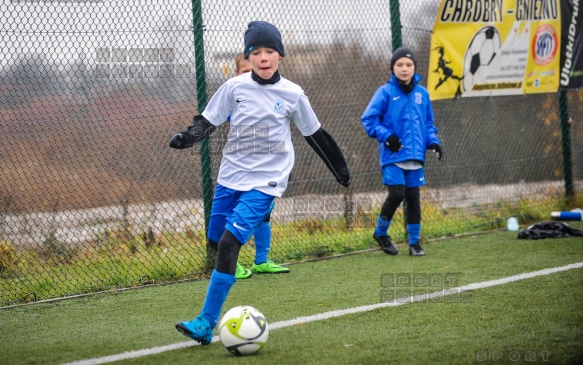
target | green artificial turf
x=527, y=318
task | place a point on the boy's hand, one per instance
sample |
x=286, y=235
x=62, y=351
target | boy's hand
x=181, y=140
x=199, y=130
x=435, y=148
x=393, y=143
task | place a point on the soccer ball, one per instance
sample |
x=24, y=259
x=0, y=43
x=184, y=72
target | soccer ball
x=479, y=55
x=243, y=330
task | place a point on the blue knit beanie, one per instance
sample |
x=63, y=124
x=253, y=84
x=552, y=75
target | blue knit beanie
x=262, y=34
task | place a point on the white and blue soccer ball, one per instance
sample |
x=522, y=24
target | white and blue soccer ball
x=243, y=330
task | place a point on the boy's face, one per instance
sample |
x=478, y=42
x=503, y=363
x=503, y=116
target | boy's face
x=404, y=69
x=264, y=61
x=243, y=67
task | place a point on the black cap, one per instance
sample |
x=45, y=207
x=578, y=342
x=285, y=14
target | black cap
x=403, y=52
x=262, y=34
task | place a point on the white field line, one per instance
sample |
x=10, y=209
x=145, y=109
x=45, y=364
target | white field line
x=337, y=313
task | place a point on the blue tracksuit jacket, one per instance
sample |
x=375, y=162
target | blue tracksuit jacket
x=409, y=116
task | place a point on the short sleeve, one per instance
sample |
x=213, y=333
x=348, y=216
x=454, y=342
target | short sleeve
x=220, y=106
x=304, y=116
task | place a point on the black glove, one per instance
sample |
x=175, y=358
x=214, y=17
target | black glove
x=393, y=143
x=435, y=148
x=182, y=140
x=200, y=129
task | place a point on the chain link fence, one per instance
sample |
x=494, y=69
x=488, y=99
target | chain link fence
x=92, y=198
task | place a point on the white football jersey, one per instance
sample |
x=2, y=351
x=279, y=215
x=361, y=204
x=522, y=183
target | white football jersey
x=259, y=153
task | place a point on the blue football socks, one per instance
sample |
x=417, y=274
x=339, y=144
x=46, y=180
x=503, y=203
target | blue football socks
x=382, y=226
x=414, y=233
x=219, y=287
x=262, y=236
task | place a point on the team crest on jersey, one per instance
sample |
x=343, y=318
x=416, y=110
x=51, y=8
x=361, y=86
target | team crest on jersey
x=278, y=108
x=418, y=98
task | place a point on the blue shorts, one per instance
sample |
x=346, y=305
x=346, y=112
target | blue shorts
x=238, y=211
x=394, y=175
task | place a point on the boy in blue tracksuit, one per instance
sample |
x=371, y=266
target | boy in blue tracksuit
x=400, y=117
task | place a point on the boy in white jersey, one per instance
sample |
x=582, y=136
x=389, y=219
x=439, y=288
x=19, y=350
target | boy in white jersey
x=262, y=232
x=257, y=159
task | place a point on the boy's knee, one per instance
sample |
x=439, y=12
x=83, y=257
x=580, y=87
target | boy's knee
x=412, y=195
x=413, y=205
x=228, y=253
x=396, y=194
x=213, y=244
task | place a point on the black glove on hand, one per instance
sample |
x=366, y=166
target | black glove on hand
x=199, y=130
x=182, y=140
x=393, y=143
x=434, y=147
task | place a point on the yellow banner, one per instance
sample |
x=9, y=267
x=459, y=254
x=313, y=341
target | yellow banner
x=495, y=47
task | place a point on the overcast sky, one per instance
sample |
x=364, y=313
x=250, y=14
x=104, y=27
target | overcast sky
x=66, y=29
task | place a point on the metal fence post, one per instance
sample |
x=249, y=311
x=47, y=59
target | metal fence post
x=205, y=157
x=396, y=42
x=396, y=36
x=566, y=146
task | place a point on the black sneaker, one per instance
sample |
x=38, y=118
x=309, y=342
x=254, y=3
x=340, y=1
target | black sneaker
x=386, y=244
x=416, y=250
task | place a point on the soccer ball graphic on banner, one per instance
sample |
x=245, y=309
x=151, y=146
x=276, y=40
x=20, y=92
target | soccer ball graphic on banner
x=243, y=330
x=479, y=56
